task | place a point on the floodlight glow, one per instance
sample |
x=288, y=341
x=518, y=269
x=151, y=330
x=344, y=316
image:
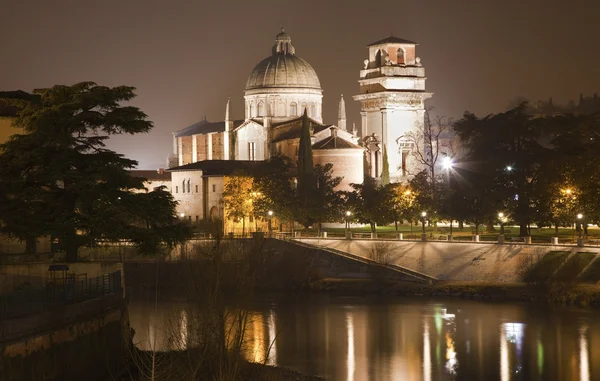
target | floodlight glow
x=568, y=191
x=579, y=216
x=181, y=215
x=447, y=163
x=348, y=213
x=424, y=214
x=509, y=168
x=270, y=212
x=500, y=215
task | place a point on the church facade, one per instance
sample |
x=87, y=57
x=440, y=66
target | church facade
x=278, y=91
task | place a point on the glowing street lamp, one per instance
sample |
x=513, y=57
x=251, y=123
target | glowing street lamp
x=447, y=163
x=501, y=219
x=509, y=168
x=181, y=215
x=423, y=217
x=270, y=213
x=348, y=214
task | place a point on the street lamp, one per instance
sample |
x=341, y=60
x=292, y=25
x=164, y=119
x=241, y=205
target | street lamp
x=423, y=215
x=447, y=164
x=348, y=214
x=501, y=219
x=270, y=213
x=181, y=215
x=509, y=168
x=578, y=223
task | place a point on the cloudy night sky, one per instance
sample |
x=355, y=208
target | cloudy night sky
x=186, y=57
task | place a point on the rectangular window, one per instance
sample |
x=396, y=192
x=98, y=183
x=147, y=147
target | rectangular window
x=196, y=188
x=214, y=188
x=190, y=218
x=197, y=218
x=251, y=151
x=176, y=189
x=404, y=157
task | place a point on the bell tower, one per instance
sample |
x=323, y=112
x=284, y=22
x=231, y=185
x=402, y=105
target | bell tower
x=392, y=103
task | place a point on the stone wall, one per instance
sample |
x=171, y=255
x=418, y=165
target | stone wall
x=36, y=274
x=450, y=261
x=85, y=341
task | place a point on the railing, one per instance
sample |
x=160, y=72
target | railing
x=58, y=292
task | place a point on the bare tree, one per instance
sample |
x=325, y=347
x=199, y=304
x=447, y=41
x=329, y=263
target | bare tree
x=431, y=141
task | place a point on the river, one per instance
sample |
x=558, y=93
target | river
x=394, y=338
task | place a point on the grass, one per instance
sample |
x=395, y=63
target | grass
x=592, y=274
x=573, y=266
x=543, y=270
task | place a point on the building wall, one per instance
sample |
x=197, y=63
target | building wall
x=251, y=133
x=7, y=129
x=188, y=203
x=277, y=103
x=185, y=149
x=347, y=163
x=214, y=197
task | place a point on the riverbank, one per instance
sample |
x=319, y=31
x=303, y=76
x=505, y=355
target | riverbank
x=583, y=295
x=176, y=365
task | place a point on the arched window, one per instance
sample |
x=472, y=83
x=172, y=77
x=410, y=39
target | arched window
x=260, y=109
x=400, y=56
x=183, y=186
x=293, y=109
x=189, y=189
x=252, y=110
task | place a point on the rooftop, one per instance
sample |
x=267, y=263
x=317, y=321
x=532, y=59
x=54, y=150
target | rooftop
x=205, y=127
x=218, y=167
x=335, y=142
x=151, y=175
x=392, y=40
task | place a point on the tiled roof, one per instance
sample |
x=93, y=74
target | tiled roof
x=334, y=142
x=392, y=40
x=218, y=167
x=205, y=127
x=292, y=129
x=151, y=175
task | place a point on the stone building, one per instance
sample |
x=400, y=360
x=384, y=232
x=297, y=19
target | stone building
x=278, y=91
x=154, y=179
x=392, y=96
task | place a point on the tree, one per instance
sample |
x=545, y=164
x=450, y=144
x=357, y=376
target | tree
x=402, y=200
x=385, y=170
x=431, y=141
x=370, y=203
x=507, y=149
x=58, y=179
x=274, y=187
x=306, y=176
x=239, y=196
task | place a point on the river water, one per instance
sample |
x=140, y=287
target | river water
x=392, y=338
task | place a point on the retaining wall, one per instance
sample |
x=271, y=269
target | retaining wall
x=449, y=260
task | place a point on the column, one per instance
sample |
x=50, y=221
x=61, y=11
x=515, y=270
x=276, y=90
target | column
x=363, y=118
x=209, y=155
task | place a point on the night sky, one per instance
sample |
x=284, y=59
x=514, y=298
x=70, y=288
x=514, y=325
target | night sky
x=186, y=57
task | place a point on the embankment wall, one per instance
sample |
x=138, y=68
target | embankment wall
x=450, y=260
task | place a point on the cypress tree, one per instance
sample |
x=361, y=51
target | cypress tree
x=306, y=177
x=385, y=170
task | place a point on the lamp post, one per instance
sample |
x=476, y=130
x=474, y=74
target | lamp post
x=423, y=218
x=270, y=213
x=501, y=219
x=348, y=214
x=447, y=164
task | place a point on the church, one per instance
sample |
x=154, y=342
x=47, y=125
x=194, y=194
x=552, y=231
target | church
x=278, y=91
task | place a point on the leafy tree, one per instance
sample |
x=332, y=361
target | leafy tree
x=273, y=180
x=370, y=203
x=239, y=196
x=511, y=139
x=403, y=202
x=58, y=179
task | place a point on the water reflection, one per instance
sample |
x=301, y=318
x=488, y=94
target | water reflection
x=400, y=339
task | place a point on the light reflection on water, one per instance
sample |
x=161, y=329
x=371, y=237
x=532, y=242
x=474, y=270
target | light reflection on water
x=358, y=339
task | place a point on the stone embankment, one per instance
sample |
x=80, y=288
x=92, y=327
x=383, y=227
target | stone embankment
x=450, y=261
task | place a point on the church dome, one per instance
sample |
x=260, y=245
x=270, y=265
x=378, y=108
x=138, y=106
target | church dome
x=283, y=68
